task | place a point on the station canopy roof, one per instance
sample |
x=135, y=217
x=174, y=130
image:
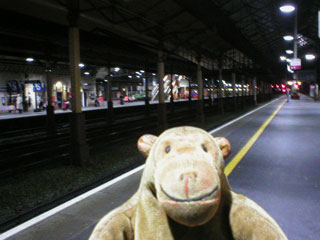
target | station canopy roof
x=241, y=35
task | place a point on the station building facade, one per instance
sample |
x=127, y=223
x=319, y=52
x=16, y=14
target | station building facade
x=33, y=90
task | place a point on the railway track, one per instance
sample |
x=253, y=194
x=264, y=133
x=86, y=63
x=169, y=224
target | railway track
x=28, y=148
x=25, y=145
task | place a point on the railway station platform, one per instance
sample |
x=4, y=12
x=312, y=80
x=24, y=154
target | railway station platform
x=275, y=162
x=116, y=104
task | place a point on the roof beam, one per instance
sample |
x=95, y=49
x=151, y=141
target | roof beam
x=211, y=15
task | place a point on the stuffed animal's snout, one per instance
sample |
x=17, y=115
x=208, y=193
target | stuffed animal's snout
x=188, y=182
x=189, y=175
x=190, y=194
x=187, y=179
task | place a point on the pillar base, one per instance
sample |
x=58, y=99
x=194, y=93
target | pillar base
x=235, y=105
x=210, y=101
x=51, y=125
x=147, y=109
x=243, y=102
x=172, y=106
x=221, y=105
x=79, y=147
x=110, y=113
x=190, y=104
x=162, y=117
x=200, y=112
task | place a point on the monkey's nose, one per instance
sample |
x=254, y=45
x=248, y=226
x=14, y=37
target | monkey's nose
x=186, y=178
x=190, y=175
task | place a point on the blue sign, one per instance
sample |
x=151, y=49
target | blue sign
x=38, y=87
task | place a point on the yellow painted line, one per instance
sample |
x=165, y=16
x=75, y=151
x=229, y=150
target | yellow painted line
x=234, y=162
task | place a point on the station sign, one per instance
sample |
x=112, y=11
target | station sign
x=38, y=87
x=295, y=64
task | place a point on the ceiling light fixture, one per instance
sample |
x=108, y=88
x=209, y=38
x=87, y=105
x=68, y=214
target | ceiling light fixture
x=310, y=56
x=283, y=58
x=288, y=38
x=287, y=8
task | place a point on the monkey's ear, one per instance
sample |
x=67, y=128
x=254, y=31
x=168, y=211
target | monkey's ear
x=224, y=146
x=145, y=143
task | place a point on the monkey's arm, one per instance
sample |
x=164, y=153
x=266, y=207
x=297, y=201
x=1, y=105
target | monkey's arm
x=116, y=227
x=250, y=222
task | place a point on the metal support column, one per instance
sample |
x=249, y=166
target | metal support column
x=243, y=92
x=171, y=92
x=212, y=89
x=162, y=113
x=209, y=92
x=146, y=100
x=109, y=98
x=255, y=91
x=295, y=41
x=262, y=91
x=251, y=91
x=234, y=95
x=79, y=148
x=220, y=89
x=51, y=126
x=97, y=89
x=189, y=96
x=171, y=87
x=105, y=89
x=200, y=113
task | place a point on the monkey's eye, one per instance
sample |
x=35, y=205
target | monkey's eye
x=168, y=148
x=204, y=147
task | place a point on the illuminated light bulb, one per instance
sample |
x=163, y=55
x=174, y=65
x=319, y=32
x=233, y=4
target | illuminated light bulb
x=283, y=58
x=288, y=38
x=310, y=56
x=287, y=8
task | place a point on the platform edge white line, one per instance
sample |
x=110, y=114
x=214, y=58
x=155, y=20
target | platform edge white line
x=69, y=203
x=59, y=208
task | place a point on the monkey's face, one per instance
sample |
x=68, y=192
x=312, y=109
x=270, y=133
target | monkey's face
x=187, y=176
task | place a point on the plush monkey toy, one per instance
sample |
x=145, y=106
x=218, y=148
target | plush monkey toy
x=184, y=194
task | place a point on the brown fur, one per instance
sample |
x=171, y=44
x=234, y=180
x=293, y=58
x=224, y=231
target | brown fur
x=184, y=194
